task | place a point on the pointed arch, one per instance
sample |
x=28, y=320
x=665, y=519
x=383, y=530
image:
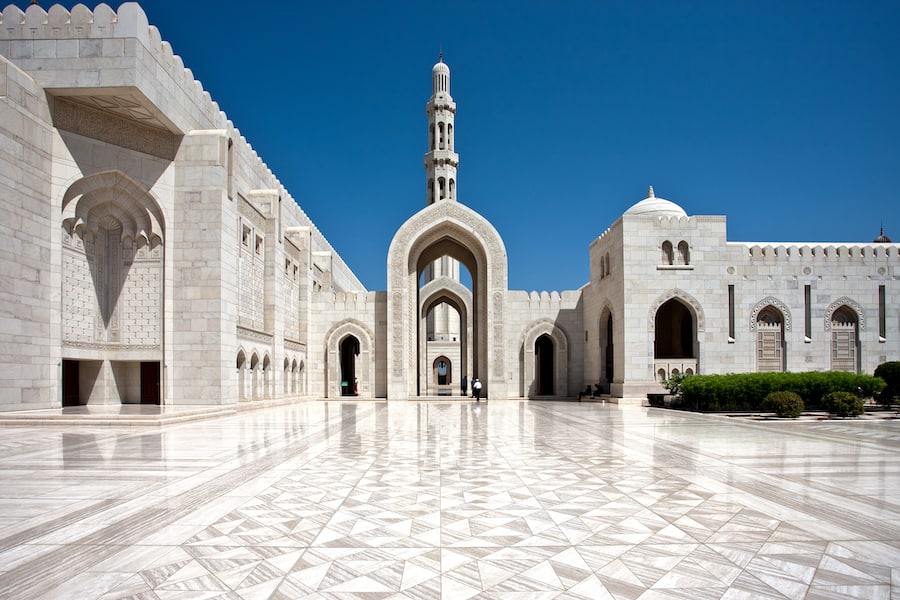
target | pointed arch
x=676, y=341
x=364, y=365
x=446, y=229
x=529, y=344
x=844, y=318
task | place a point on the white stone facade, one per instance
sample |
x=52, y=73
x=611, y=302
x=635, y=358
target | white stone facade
x=149, y=255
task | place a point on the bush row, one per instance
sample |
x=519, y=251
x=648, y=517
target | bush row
x=746, y=391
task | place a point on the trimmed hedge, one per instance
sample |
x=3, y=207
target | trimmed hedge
x=783, y=404
x=843, y=404
x=890, y=372
x=744, y=392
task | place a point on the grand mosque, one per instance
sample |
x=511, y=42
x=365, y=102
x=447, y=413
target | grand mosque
x=150, y=256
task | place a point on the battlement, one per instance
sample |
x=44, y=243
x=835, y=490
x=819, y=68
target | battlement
x=820, y=252
x=350, y=301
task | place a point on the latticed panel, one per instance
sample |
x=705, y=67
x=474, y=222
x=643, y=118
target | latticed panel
x=769, y=348
x=843, y=347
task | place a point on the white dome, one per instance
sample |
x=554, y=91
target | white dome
x=660, y=207
x=440, y=67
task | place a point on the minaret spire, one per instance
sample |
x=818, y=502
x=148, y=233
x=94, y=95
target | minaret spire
x=441, y=161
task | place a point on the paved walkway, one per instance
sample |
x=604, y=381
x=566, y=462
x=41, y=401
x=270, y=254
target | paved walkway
x=452, y=500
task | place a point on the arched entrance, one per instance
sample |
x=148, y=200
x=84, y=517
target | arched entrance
x=453, y=230
x=350, y=369
x=544, y=360
x=442, y=376
x=543, y=366
x=349, y=354
x=458, y=351
x=675, y=344
x=607, y=351
x=242, y=375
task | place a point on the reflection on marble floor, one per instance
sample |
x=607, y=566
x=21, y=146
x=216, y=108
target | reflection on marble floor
x=451, y=500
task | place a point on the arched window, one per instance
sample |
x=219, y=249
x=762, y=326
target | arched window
x=770, y=348
x=844, y=340
x=452, y=189
x=441, y=133
x=668, y=255
x=607, y=263
x=450, y=136
x=430, y=191
x=684, y=253
x=442, y=188
x=675, y=331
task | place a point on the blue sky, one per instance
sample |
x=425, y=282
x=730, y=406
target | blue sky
x=784, y=116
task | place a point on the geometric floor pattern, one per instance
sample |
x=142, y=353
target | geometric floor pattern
x=456, y=500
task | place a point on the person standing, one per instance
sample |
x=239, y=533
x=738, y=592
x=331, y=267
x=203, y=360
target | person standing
x=464, y=386
x=476, y=389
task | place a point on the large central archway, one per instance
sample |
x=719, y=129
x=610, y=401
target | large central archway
x=454, y=230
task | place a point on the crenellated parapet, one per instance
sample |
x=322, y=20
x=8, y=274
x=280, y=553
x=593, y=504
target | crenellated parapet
x=347, y=301
x=869, y=253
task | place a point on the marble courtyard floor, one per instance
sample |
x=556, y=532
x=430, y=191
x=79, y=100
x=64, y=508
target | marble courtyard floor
x=508, y=499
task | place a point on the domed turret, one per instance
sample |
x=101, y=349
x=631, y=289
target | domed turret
x=440, y=77
x=657, y=207
x=882, y=239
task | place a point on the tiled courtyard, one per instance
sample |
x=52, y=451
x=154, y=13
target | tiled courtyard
x=506, y=499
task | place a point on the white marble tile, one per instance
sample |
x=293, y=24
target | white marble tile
x=408, y=500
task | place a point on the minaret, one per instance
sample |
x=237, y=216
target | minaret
x=440, y=160
x=440, y=176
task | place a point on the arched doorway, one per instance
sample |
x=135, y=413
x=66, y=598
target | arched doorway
x=675, y=346
x=845, y=340
x=350, y=365
x=349, y=349
x=544, y=360
x=607, y=351
x=442, y=376
x=254, y=378
x=770, y=345
x=242, y=375
x=543, y=366
x=453, y=295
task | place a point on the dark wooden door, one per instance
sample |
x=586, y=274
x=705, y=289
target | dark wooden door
x=149, y=383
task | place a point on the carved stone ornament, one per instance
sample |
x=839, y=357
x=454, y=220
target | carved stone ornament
x=777, y=304
x=850, y=303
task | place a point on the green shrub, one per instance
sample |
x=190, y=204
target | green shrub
x=746, y=391
x=783, y=404
x=843, y=404
x=890, y=373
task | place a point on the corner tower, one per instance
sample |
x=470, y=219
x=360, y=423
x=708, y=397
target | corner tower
x=441, y=161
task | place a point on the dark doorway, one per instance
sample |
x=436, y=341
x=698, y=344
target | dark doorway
x=70, y=396
x=349, y=352
x=610, y=354
x=543, y=365
x=150, y=382
x=674, y=331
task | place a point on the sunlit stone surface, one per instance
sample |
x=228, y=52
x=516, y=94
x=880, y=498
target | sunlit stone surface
x=505, y=499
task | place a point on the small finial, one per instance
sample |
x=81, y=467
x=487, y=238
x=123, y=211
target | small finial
x=650, y=193
x=441, y=55
x=34, y=2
